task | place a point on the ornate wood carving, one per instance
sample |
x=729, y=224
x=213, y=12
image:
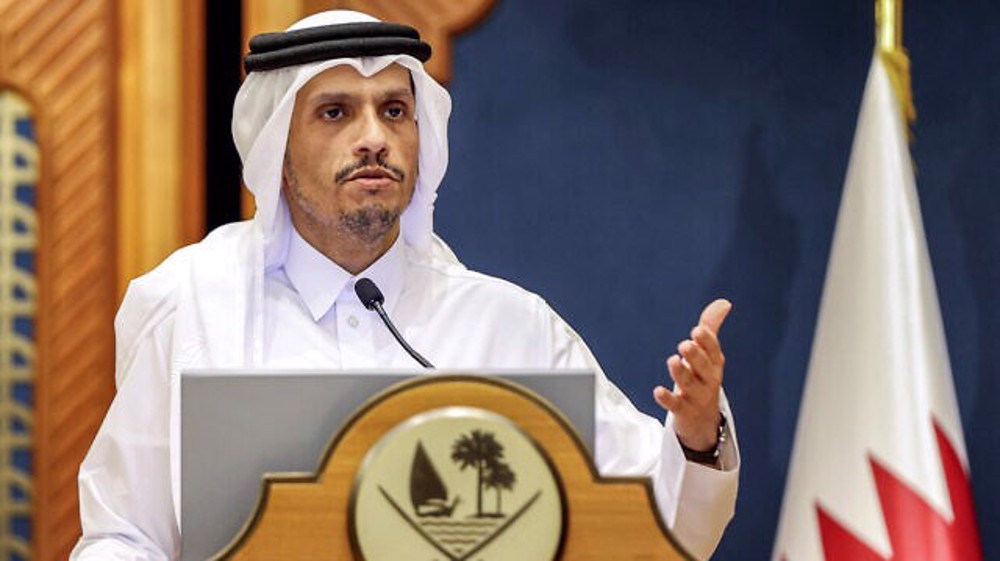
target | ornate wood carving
x=60, y=57
x=18, y=305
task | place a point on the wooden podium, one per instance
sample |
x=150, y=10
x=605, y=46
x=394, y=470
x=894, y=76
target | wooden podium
x=512, y=448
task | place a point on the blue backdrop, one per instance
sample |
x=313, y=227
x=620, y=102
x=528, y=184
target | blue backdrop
x=630, y=163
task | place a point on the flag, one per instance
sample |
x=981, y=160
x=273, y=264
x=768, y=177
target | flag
x=879, y=470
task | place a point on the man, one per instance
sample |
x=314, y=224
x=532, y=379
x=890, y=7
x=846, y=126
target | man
x=343, y=138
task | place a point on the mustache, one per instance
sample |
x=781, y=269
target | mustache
x=346, y=171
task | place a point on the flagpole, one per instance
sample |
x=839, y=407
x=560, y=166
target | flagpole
x=889, y=43
x=889, y=24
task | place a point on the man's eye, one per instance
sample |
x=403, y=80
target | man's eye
x=333, y=113
x=395, y=112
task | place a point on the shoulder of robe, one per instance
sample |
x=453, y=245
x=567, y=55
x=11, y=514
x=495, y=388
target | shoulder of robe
x=485, y=290
x=152, y=297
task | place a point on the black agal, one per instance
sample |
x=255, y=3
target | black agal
x=269, y=51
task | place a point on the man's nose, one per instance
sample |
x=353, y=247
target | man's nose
x=372, y=140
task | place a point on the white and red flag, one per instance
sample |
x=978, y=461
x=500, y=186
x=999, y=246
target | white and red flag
x=879, y=469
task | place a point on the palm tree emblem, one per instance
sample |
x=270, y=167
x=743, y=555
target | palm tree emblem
x=501, y=478
x=484, y=449
x=481, y=451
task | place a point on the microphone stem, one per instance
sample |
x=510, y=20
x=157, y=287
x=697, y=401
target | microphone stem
x=392, y=329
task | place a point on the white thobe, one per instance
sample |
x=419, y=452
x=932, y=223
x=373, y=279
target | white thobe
x=130, y=480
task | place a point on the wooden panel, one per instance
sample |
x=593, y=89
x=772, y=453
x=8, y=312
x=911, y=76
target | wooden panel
x=192, y=157
x=262, y=16
x=161, y=168
x=60, y=56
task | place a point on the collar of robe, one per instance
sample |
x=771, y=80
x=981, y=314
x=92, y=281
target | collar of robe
x=270, y=51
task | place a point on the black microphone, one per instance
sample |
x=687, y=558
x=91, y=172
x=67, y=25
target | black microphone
x=372, y=298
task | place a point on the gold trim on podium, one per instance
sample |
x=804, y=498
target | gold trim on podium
x=306, y=516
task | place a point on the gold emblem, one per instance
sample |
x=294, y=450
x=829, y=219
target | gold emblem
x=456, y=484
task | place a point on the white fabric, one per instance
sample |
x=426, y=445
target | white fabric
x=879, y=371
x=129, y=482
x=251, y=296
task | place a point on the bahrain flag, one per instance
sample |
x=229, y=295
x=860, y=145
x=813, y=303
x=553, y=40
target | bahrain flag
x=879, y=469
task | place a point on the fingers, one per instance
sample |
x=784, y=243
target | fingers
x=698, y=366
x=692, y=398
x=697, y=374
x=705, y=334
x=709, y=342
x=665, y=398
x=681, y=373
x=714, y=314
x=698, y=361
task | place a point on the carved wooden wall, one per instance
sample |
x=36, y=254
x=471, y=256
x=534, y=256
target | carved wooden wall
x=61, y=58
x=114, y=89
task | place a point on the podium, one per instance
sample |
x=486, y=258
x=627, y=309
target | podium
x=455, y=468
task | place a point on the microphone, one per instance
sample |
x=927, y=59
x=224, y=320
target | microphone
x=372, y=298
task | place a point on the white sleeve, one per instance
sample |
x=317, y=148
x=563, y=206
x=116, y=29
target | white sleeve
x=695, y=501
x=126, y=505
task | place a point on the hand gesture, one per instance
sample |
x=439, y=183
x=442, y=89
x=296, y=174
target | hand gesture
x=697, y=374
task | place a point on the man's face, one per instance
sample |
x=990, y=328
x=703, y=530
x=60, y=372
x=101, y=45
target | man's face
x=351, y=162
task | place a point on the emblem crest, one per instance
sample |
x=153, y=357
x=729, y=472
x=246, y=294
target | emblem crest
x=457, y=482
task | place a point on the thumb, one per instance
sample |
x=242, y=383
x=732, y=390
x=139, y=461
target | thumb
x=714, y=314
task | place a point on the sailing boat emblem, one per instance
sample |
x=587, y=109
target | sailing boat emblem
x=427, y=491
x=476, y=488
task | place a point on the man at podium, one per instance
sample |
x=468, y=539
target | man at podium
x=343, y=138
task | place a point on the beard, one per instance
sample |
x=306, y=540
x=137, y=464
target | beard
x=369, y=224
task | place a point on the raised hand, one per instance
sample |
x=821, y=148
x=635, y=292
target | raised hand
x=697, y=374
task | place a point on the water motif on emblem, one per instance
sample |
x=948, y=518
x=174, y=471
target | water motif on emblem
x=458, y=483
